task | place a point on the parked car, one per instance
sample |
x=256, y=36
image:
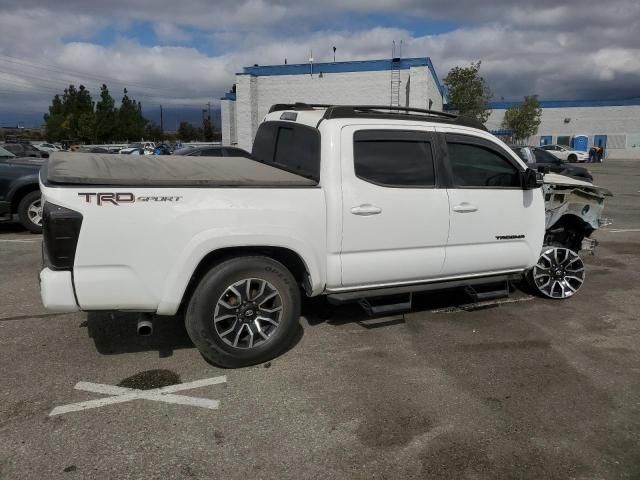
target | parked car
x=212, y=151
x=536, y=158
x=355, y=203
x=144, y=146
x=47, y=147
x=565, y=153
x=162, y=149
x=23, y=149
x=97, y=150
x=19, y=190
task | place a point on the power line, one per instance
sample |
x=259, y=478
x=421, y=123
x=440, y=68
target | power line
x=65, y=71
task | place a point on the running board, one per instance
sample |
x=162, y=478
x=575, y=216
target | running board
x=357, y=295
x=483, y=296
x=386, y=305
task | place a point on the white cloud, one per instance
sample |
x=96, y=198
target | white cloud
x=574, y=49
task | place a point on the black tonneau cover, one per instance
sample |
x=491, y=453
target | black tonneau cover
x=167, y=171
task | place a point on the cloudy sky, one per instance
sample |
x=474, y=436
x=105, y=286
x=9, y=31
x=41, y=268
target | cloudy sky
x=184, y=53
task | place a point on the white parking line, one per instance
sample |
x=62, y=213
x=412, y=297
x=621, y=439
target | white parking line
x=622, y=230
x=122, y=394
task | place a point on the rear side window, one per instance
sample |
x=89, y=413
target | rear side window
x=478, y=166
x=394, y=158
x=292, y=147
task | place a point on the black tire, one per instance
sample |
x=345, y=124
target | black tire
x=573, y=158
x=23, y=212
x=199, y=317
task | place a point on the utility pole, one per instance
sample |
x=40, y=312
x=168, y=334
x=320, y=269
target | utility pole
x=161, y=124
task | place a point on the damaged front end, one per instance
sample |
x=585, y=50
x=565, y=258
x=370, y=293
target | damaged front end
x=573, y=212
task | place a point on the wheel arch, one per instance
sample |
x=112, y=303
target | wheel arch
x=289, y=258
x=566, y=228
x=19, y=193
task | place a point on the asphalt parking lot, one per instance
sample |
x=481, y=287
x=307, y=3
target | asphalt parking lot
x=529, y=389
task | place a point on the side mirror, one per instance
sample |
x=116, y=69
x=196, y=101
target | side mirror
x=531, y=179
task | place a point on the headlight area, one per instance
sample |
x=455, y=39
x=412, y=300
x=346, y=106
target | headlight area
x=60, y=232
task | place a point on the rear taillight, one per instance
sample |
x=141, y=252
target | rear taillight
x=60, y=232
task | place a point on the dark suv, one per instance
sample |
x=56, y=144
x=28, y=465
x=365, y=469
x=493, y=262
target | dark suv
x=20, y=191
x=20, y=149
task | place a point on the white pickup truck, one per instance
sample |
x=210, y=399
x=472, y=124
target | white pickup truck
x=353, y=202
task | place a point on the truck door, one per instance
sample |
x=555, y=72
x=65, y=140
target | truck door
x=395, y=218
x=496, y=225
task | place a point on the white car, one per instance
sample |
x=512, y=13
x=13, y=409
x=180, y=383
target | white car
x=47, y=147
x=349, y=202
x=567, y=154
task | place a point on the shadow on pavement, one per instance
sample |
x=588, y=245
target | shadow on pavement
x=115, y=333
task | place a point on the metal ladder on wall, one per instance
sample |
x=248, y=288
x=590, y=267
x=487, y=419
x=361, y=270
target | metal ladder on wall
x=395, y=74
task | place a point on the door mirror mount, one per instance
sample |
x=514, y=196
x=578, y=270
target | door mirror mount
x=532, y=179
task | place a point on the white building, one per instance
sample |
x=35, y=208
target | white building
x=613, y=124
x=408, y=82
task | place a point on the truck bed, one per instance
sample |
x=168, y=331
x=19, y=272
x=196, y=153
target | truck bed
x=166, y=171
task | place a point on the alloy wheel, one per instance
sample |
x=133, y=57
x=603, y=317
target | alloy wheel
x=248, y=313
x=559, y=272
x=35, y=212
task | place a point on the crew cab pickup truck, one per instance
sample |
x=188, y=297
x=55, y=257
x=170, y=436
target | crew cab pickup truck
x=352, y=202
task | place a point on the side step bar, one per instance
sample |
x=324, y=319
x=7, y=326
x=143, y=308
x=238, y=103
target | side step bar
x=386, y=305
x=483, y=296
x=357, y=295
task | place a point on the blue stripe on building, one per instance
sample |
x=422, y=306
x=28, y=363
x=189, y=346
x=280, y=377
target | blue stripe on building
x=570, y=103
x=343, y=67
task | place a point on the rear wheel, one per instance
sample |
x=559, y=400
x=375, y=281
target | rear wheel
x=244, y=311
x=30, y=212
x=558, y=274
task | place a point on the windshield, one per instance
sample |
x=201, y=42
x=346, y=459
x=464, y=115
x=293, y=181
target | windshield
x=6, y=153
x=136, y=145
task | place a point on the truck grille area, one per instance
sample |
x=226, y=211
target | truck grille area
x=60, y=232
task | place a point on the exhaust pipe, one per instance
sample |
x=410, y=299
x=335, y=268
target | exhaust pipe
x=144, y=328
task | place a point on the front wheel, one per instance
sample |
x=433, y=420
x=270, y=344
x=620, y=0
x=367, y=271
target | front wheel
x=244, y=311
x=558, y=274
x=30, y=212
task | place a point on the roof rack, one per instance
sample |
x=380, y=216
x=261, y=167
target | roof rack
x=381, y=111
x=405, y=113
x=278, y=107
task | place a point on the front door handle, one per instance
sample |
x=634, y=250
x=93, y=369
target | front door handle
x=366, y=209
x=465, y=207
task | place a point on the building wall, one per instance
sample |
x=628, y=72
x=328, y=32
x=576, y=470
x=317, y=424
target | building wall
x=228, y=120
x=255, y=95
x=621, y=124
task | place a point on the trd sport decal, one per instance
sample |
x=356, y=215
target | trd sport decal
x=508, y=237
x=118, y=198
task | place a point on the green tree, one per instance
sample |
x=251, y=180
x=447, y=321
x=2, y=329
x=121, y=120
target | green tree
x=53, y=121
x=207, y=129
x=468, y=93
x=189, y=133
x=523, y=119
x=106, y=117
x=131, y=123
x=152, y=131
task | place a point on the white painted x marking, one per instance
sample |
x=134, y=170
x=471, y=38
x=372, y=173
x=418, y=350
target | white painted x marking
x=122, y=394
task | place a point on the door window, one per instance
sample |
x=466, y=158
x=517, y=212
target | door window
x=393, y=158
x=478, y=166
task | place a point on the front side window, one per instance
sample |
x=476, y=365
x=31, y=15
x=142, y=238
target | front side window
x=211, y=152
x=478, y=166
x=394, y=158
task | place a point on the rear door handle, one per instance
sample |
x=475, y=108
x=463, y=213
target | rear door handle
x=465, y=207
x=366, y=209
